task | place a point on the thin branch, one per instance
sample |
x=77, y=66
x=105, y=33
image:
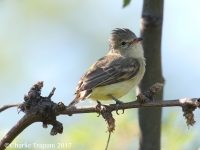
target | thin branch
x=8, y=106
x=52, y=92
x=135, y=104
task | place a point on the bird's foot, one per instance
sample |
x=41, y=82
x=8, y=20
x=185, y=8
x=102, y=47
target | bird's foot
x=118, y=102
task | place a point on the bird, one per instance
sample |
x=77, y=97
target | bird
x=115, y=74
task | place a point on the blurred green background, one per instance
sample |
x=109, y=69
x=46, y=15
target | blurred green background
x=57, y=41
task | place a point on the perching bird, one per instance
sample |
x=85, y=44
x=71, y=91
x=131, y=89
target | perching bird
x=115, y=74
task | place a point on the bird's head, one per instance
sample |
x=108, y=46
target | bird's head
x=124, y=41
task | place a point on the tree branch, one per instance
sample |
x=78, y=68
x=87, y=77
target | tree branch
x=42, y=109
x=8, y=106
x=22, y=124
x=135, y=104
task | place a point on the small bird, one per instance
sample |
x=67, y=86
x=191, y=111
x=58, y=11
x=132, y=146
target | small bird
x=115, y=74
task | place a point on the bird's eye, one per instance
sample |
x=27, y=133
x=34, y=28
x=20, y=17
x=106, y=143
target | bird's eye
x=123, y=43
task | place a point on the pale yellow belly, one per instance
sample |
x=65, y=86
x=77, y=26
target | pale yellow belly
x=117, y=90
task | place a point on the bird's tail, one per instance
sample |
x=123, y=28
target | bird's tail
x=79, y=97
x=74, y=102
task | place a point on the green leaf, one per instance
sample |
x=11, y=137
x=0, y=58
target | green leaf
x=126, y=2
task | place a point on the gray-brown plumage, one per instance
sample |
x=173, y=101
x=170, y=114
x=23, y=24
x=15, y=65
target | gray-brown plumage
x=116, y=73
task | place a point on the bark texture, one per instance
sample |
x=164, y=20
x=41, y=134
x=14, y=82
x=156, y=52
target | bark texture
x=151, y=31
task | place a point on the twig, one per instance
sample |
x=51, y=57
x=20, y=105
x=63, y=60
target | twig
x=8, y=106
x=52, y=92
x=108, y=141
x=107, y=115
x=135, y=104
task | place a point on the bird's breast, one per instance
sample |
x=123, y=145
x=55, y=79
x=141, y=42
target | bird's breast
x=118, y=89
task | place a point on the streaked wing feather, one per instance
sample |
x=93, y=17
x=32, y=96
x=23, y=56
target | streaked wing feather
x=114, y=73
x=120, y=76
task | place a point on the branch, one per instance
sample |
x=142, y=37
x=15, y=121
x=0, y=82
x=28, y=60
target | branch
x=16, y=130
x=42, y=109
x=8, y=106
x=36, y=109
x=135, y=104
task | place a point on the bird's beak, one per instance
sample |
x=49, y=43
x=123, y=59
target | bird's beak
x=136, y=40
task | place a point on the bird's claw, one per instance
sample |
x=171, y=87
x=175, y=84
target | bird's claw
x=117, y=106
x=118, y=102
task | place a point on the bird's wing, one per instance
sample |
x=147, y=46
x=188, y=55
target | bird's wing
x=108, y=72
